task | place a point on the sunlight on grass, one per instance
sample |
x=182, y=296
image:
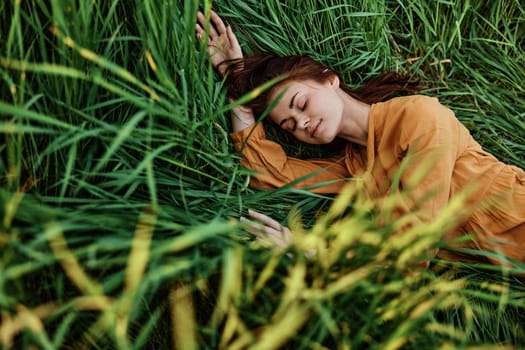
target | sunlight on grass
x=121, y=189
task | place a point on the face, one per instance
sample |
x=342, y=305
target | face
x=309, y=110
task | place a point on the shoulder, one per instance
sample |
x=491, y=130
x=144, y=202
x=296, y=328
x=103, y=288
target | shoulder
x=413, y=102
x=410, y=118
x=415, y=109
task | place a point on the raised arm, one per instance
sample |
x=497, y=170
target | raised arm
x=274, y=168
x=222, y=47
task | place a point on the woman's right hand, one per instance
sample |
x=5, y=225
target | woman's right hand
x=222, y=43
x=267, y=230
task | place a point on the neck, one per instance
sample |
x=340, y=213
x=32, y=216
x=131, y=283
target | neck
x=354, y=125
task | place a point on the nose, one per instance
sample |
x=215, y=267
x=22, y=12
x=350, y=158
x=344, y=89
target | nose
x=303, y=121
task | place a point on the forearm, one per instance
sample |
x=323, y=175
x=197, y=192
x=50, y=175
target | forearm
x=241, y=118
x=222, y=46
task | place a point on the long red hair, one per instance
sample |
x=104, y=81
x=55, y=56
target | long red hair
x=244, y=75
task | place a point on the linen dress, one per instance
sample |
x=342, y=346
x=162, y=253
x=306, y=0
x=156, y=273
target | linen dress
x=421, y=136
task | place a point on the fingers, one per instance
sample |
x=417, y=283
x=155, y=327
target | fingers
x=234, y=43
x=217, y=27
x=199, y=27
x=253, y=227
x=266, y=233
x=268, y=221
x=267, y=230
x=222, y=42
x=200, y=32
x=231, y=37
x=218, y=23
x=258, y=229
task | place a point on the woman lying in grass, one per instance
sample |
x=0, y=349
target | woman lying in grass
x=399, y=137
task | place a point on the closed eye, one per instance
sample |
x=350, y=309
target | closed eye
x=304, y=106
x=288, y=124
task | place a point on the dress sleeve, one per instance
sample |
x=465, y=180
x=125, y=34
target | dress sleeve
x=275, y=169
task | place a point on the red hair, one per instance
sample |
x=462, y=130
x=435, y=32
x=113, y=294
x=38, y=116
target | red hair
x=244, y=75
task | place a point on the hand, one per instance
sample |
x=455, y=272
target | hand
x=267, y=230
x=222, y=43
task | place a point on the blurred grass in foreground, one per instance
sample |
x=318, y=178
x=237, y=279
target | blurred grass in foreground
x=119, y=183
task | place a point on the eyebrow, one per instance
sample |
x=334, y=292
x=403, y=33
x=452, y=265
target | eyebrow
x=290, y=105
x=292, y=100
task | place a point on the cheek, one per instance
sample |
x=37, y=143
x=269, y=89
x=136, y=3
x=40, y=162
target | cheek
x=332, y=107
x=325, y=103
x=273, y=119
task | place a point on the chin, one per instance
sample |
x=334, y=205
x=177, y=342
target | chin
x=319, y=141
x=326, y=140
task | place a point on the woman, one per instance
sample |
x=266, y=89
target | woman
x=411, y=147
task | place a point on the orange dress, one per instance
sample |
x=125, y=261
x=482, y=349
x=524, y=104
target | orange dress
x=409, y=132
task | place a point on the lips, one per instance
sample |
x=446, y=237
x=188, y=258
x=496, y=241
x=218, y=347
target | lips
x=314, y=132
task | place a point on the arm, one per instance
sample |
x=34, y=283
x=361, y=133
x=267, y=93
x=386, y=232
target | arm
x=223, y=46
x=275, y=169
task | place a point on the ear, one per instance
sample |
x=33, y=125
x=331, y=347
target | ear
x=333, y=80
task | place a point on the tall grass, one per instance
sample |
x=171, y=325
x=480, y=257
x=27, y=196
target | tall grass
x=120, y=187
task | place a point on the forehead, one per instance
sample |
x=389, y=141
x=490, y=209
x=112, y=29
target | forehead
x=285, y=88
x=282, y=95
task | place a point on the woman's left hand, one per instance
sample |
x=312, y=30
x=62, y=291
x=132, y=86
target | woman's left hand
x=266, y=229
x=222, y=42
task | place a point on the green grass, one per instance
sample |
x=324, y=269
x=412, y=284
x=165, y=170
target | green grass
x=120, y=186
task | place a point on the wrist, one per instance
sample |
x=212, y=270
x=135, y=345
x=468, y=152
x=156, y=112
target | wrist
x=242, y=117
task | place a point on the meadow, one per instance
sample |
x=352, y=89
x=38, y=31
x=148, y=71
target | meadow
x=120, y=189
